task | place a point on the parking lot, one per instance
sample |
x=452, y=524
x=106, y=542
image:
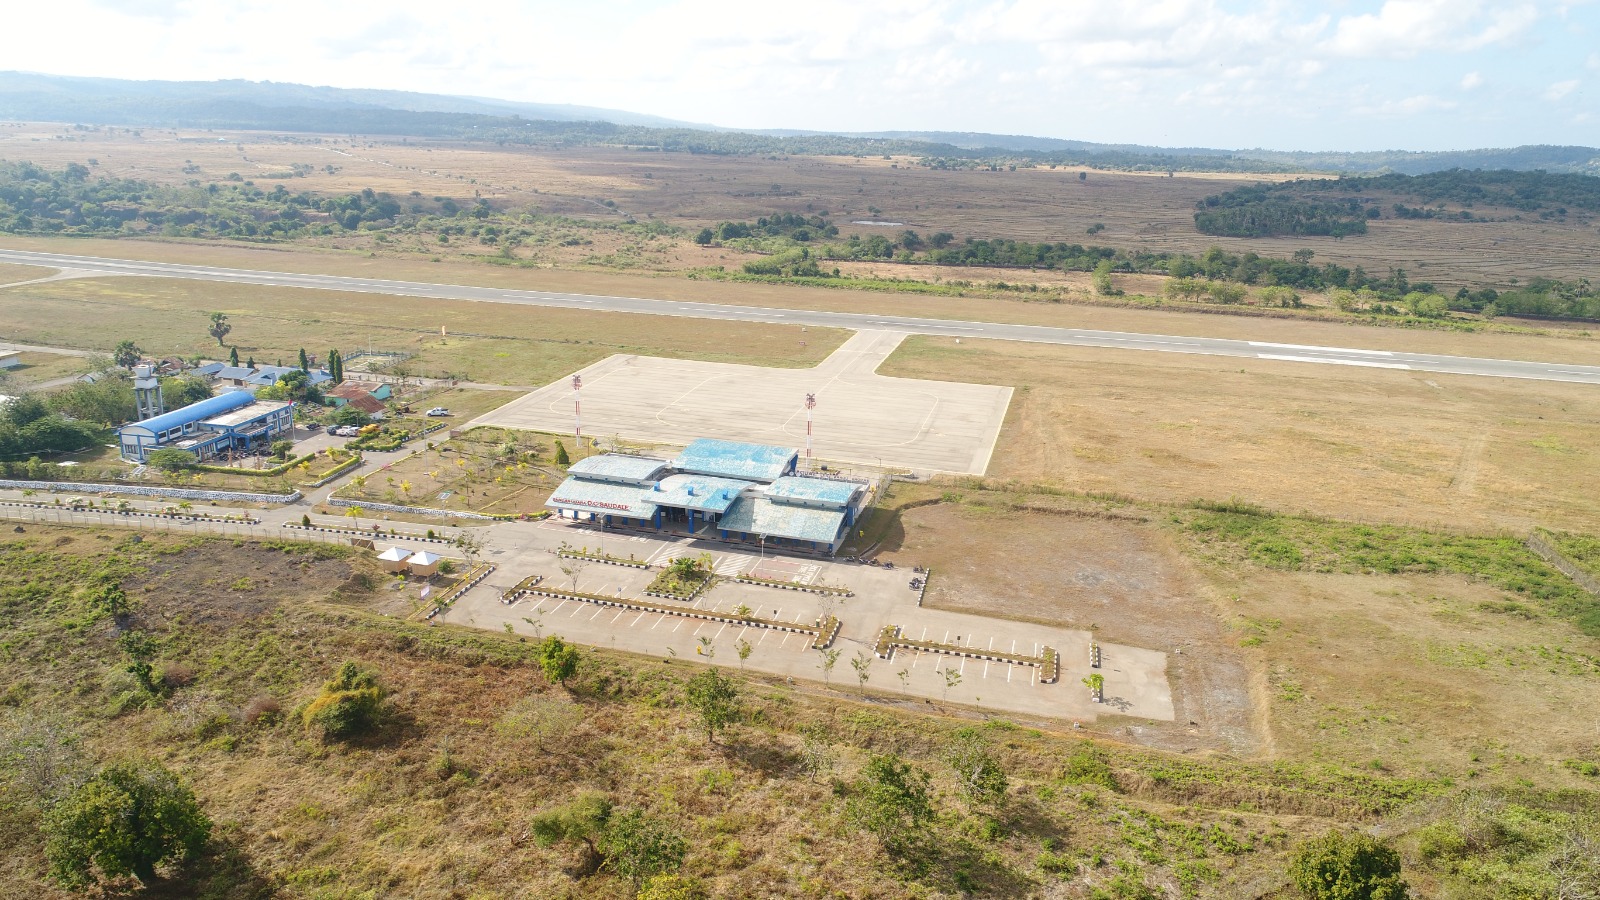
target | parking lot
x=1135, y=678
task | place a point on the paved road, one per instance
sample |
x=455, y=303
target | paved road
x=1341, y=356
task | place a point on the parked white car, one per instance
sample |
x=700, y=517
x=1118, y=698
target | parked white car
x=438, y=411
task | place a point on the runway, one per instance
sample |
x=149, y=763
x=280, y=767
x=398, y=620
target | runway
x=1075, y=337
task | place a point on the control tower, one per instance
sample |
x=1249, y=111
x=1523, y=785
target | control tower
x=147, y=393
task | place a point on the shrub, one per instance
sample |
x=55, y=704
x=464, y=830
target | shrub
x=1347, y=866
x=171, y=460
x=126, y=820
x=263, y=710
x=348, y=705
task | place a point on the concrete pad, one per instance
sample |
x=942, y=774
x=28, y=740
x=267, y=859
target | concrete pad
x=861, y=417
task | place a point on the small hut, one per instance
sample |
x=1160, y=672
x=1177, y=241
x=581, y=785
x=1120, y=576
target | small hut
x=394, y=559
x=424, y=563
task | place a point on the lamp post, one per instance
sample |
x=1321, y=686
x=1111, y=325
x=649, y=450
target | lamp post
x=577, y=410
x=811, y=403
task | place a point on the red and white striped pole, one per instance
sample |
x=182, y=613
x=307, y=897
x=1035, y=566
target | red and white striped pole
x=811, y=403
x=577, y=409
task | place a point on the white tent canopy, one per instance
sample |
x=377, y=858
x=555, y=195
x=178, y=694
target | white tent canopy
x=423, y=558
x=395, y=555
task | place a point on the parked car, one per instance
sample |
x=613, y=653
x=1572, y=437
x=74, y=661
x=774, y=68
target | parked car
x=313, y=426
x=346, y=431
x=438, y=411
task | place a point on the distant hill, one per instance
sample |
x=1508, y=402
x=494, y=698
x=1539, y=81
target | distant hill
x=276, y=106
x=114, y=101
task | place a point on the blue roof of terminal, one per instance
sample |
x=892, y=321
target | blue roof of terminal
x=817, y=490
x=732, y=459
x=758, y=515
x=198, y=411
x=604, y=497
x=618, y=466
x=698, y=492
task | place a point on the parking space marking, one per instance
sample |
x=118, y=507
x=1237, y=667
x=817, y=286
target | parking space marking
x=720, y=631
x=636, y=621
x=617, y=616
x=558, y=607
x=597, y=613
x=764, y=633
x=679, y=625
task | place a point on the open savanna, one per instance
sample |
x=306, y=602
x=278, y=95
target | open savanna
x=499, y=343
x=36, y=367
x=11, y=273
x=1140, y=211
x=435, y=801
x=1366, y=444
x=1551, y=344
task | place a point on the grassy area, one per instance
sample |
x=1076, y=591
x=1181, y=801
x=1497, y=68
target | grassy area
x=39, y=367
x=491, y=471
x=10, y=273
x=1351, y=443
x=1582, y=549
x=502, y=344
x=441, y=790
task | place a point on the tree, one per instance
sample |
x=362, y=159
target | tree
x=540, y=719
x=978, y=775
x=349, y=704
x=705, y=237
x=184, y=390
x=1278, y=295
x=952, y=677
x=1226, y=292
x=1342, y=865
x=862, y=663
x=890, y=800
x=1183, y=288
x=469, y=544
x=141, y=648
x=816, y=753
x=126, y=820
x=829, y=658
x=562, y=459
x=581, y=820
x=349, y=415
x=281, y=449
x=715, y=698
x=305, y=362
x=219, y=327
x=292, y=385
x=1096, y=683
x=233, y=356
x=171, y=459
x=744, y=649
x=127, y=355
x=557, y=659
x=336, y=366
x=1102, y=280
x=637, y=845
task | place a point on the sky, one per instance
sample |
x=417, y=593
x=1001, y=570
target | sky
x=1281, y=74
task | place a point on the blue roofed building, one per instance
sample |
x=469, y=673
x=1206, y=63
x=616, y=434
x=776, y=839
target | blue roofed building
x=722, y=490
x=233, y=421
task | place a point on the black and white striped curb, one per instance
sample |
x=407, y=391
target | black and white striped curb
x=892, y=640
x=789, y=586
x=460, y=589
x=381, y=535
x=177, y=517
x=606, y=560
x=923, y=591
x=693, y=595
x=621, y=603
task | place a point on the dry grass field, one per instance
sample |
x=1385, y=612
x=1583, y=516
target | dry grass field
x=489, y=343
x=1366, y=444
x=11, y=274
x=1140, y=211
x=39, y=367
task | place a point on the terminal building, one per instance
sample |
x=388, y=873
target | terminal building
x=721, y=490
x=233, y=421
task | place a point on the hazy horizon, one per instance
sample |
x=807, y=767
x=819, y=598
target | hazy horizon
x=1347, y=76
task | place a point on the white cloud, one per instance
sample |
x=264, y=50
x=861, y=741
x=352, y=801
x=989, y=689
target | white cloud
x=1403, y=29
x=1471, y=81
x=1561, y=89
x=1594, y=61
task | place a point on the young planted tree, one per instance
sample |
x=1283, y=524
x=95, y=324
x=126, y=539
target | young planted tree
x=905, y=678
x=1096, y=683
x=219, y=327
x=543, y=720
x=891, y=801
x=141, y=648
x=126, y=820
x=862, y=663
x=952, y=678
x=744, y=649
x=830, y=657
x=715, y=699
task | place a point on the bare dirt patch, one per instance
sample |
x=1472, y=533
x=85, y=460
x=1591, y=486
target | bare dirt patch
x=218, y=584
x=1123, y=580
